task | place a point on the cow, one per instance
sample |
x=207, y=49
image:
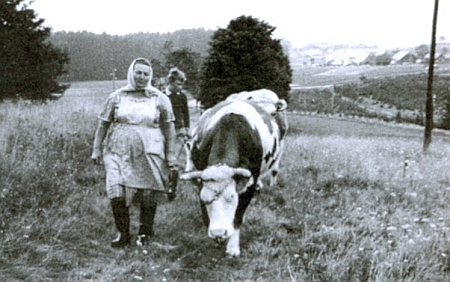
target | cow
x=235, y=144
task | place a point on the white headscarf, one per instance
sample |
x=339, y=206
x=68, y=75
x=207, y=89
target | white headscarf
x=131, y=86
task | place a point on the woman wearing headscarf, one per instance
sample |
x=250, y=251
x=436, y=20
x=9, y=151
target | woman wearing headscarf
x=135, y=138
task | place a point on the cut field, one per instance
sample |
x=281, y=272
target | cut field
x=357, y=200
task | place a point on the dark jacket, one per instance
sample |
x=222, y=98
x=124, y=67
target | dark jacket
x=181, y=111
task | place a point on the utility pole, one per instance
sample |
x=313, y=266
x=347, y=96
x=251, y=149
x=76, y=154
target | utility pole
x=429, y=108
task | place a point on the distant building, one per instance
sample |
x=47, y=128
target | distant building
x=349, y=56
x=438, y=57
x=404, y=57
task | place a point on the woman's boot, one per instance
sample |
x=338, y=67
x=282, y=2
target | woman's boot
x=147, y=217
x=122, y=220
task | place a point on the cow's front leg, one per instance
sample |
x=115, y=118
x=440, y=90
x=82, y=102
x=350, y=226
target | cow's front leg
x=233, y=245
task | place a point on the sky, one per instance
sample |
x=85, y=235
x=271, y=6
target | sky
x=385, y=23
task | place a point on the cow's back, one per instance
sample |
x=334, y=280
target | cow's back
x=259, y=131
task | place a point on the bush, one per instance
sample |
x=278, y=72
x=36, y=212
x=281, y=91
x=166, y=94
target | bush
x=244, y=57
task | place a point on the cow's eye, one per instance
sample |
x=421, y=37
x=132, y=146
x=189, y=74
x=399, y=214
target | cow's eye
x=197, y=183
x=206, y=203
x=229, y=198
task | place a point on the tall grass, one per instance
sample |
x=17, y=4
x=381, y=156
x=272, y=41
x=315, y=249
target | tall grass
x=377, y=210
x=47, y=178
x=347, y=208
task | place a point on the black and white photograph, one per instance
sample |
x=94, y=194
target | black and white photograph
x=225, y=140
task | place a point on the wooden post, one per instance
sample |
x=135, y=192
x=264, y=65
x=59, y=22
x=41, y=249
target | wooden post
x=429, y=109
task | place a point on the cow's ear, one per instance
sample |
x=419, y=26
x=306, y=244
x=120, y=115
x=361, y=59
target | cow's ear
x=242, y=183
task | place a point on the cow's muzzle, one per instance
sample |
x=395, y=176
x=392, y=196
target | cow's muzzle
x=218, y=234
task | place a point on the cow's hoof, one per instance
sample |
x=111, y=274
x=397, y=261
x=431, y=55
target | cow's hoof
x=233, y=252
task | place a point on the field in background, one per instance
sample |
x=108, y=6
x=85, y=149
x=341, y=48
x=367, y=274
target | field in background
x=337, y=75
x=357, y=201
x=391, y=93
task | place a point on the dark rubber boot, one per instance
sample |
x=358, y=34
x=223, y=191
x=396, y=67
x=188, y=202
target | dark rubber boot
x=173, y=183
x=122, y=220
x=147, y=218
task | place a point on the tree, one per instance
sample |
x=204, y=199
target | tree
x=29, y=64
x=244, y=57
x=158, y=69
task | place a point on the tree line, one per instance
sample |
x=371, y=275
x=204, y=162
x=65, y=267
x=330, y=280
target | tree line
x=96, y=56
x=35, y=63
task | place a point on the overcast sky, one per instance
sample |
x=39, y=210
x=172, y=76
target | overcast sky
x=386, y=23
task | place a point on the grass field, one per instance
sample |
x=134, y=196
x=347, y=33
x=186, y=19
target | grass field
x=357, y=201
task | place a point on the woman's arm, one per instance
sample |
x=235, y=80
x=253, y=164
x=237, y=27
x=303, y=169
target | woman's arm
x=168, y=130
x=100, y=134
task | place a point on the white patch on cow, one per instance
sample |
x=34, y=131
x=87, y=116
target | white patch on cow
x=238, y=107
x=189, y=166
x=265, y=98
x=221, y=200
x=233, y=248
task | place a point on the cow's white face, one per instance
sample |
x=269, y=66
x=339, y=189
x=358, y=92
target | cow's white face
x=220, y=197
x=220, y=194
x=221, y=200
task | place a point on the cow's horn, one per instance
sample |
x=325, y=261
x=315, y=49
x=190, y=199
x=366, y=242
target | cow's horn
x=191, y=175
x=242, y=172
x=281, y=105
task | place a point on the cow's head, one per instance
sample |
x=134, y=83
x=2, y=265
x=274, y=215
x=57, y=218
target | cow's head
x=221, y=186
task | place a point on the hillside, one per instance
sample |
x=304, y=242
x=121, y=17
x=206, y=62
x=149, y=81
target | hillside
x=395, y=92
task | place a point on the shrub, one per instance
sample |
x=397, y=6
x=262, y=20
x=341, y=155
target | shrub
x=244, y=57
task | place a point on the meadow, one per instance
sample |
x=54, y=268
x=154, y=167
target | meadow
x=357, y=200
x=391, y=93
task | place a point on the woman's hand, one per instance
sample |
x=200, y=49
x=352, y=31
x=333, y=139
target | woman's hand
x=97, y=156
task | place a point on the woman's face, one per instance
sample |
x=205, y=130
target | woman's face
x=141, y=75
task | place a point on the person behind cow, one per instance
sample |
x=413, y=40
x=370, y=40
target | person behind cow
x=178, y=99
x=136, y=129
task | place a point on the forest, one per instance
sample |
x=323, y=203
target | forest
x=96, y=56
